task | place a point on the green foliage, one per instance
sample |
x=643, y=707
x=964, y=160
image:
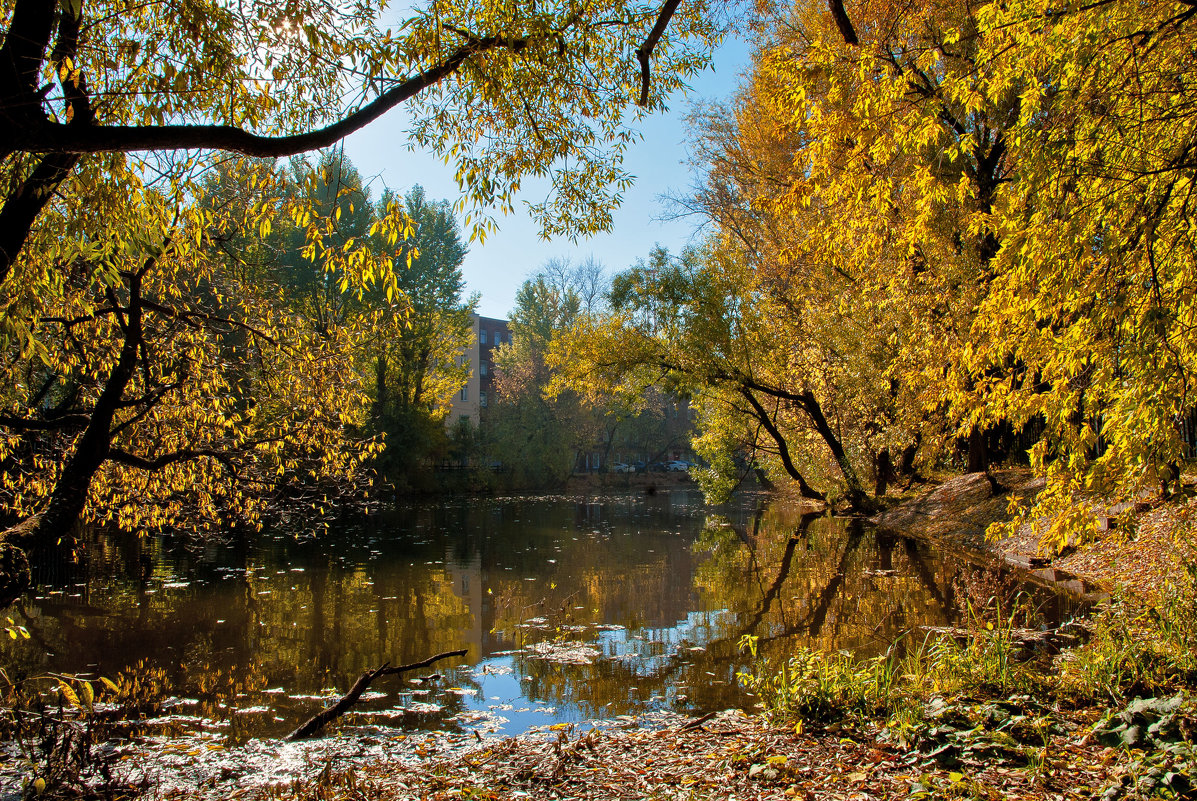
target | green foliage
x=820, y=687
x=927, y=689
x=537, y=435
x=414, y=342
x=1136, y=650
x=764, y=377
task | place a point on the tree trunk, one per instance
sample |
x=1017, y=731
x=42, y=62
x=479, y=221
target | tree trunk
x=380, y=386
x=25, y=203
x=884, y=469
x=763, y=479
x=54, y=528
x=783, y=449
x=855, y=493
x=906, y=460
x=978, y=452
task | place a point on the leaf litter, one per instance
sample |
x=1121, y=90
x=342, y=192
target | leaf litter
x=729, y=756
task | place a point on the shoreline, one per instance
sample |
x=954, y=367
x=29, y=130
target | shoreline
x=1001, y=743
x=1142, y=559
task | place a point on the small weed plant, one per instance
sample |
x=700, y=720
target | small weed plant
x=1137, y=648
x=64, y=728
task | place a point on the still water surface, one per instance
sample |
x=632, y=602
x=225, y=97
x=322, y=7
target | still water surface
x=572, y=610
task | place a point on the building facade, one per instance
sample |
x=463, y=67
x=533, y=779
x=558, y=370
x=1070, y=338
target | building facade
x=472, y=400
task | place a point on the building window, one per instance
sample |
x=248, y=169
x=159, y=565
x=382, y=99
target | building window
x=498, y=337
x=465, y=393
x=482, y=337
x=482, y=368
x=482, y=399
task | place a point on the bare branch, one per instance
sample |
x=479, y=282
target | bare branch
x=190, y=317
x=317, y=722
x=646, y=50
x=140, y=462
x=83, y=318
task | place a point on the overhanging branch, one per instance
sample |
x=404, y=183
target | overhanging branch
x=51, y=137
x=644, y=53
x=52, y=424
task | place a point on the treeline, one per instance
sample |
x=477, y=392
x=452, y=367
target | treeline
x=940, y=234
x=149, y=377
x=537, y=434
x=275, y=346
x=278, y=347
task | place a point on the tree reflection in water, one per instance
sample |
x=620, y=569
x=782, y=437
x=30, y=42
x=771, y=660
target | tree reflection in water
x=660, y=586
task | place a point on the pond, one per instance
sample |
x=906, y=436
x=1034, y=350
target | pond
x=590, y=611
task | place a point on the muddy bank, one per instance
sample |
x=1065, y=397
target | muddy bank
x=1142, y=556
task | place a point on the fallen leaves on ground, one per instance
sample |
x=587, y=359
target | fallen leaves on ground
x=730, y=757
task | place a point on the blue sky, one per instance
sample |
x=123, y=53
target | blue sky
x=496, y=269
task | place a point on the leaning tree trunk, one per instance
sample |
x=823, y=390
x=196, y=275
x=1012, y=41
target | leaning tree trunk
x=783, y=448
x=855, y=493
x=53, y=528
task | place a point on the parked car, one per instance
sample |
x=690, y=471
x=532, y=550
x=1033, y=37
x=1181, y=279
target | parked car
x=620, y=467
x=678, y=465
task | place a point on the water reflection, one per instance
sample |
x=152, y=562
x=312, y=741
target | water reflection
x=571, y=609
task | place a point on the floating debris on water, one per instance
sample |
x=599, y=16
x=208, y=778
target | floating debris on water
x=570, y=652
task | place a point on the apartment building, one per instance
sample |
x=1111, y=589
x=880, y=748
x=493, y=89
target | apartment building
x=473, y=398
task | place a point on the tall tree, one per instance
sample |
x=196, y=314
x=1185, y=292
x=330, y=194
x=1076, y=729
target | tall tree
x=415, y=341
x=707, y=326
x=538, y=436
x=107, y=107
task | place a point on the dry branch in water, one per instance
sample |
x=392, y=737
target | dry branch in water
x=317, y=722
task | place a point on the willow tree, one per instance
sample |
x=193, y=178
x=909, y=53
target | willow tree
x=171, y=388
x=502, y=91
x=773, y=379
x=1097, y=283
x=1034, y=169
